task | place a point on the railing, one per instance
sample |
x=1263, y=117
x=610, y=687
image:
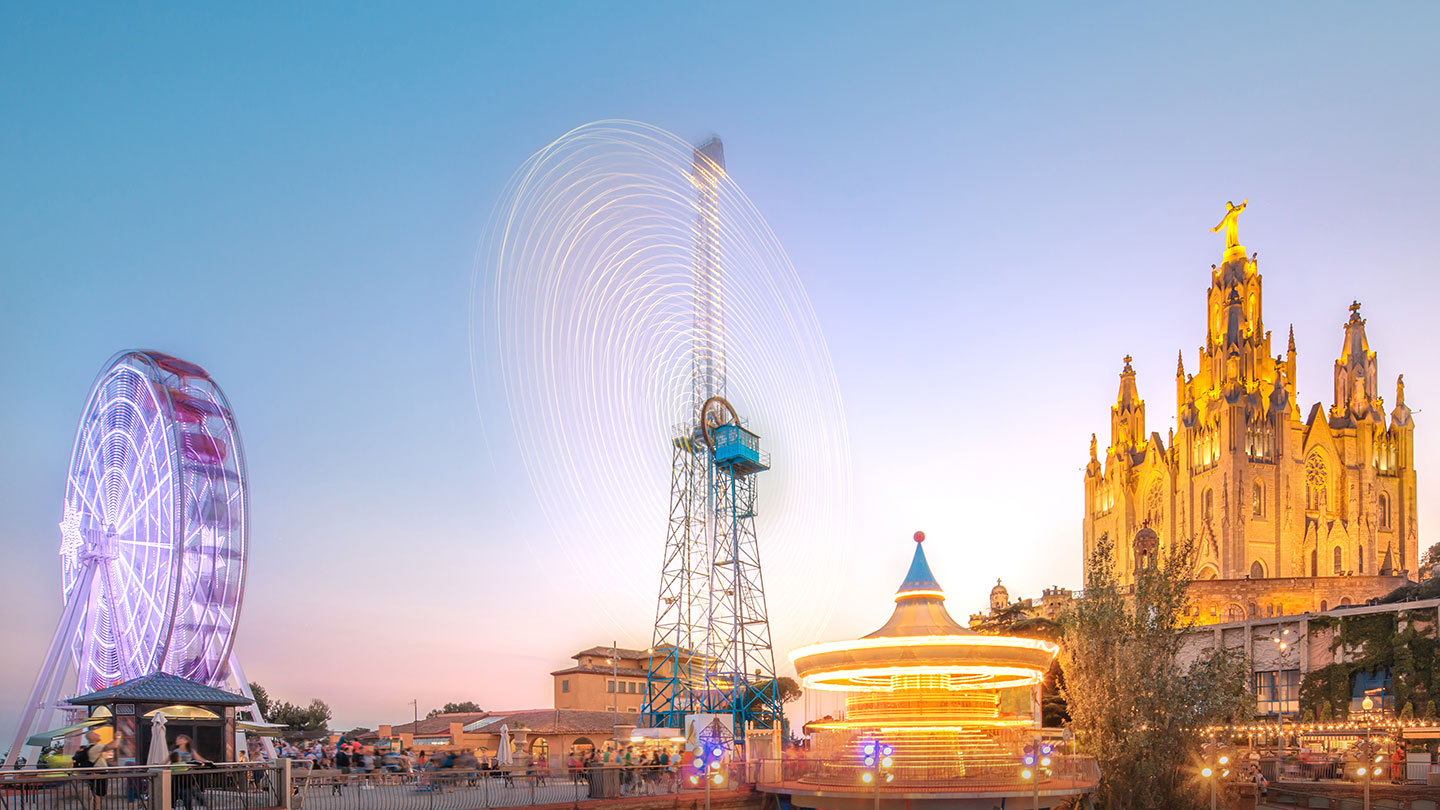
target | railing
x=449, y=789
x=232, y=786
x=1066, y=772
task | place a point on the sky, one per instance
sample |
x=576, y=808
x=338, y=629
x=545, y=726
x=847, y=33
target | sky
x=989, y=205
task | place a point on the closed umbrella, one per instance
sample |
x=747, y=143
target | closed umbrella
x=507, y=755
x=159, y=752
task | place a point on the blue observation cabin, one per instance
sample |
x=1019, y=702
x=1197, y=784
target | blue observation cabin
x=739, y=450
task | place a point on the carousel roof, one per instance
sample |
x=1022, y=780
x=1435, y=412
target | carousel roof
x=921, y=638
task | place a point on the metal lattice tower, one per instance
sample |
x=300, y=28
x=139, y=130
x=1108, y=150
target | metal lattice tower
x=712, y=650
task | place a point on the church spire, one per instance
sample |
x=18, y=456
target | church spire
x=1127, y=418
x=1180, y=365
x=1356, y=396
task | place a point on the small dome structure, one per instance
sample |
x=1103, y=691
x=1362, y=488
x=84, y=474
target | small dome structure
x=999, y=597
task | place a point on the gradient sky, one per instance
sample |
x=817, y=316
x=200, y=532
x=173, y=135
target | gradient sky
x=990, y=204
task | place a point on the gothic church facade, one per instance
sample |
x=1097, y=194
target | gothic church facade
x=1291, y=511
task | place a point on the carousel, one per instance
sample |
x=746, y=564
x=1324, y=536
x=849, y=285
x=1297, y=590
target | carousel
x=924, y=709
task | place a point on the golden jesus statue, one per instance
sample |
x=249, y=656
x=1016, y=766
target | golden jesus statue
x=1231, y=223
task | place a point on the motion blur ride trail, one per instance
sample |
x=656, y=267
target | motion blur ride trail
x=925, y=710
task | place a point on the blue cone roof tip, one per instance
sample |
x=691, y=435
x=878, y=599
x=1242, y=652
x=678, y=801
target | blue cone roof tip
x=919, y=578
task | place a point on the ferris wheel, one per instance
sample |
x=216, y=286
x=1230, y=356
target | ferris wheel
x=153, y=534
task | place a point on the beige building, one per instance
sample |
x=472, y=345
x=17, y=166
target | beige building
x=602, y=679
x=1270, y=493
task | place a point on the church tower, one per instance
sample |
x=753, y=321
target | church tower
x=1273, y=501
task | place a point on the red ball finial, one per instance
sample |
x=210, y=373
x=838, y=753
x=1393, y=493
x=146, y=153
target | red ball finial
x=919, y=537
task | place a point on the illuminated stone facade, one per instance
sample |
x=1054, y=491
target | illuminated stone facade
x=1268, y=493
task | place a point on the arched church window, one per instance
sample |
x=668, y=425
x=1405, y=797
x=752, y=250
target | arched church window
x=1257, y=499
x=1257, y=571
x=1317, y=483
x=1360, y=559
x=1384, y=510
x=1207, y=507
x=1314, y=562
x=1339, y=561
x=1324, y=605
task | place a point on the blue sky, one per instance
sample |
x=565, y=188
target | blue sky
x=989, y=205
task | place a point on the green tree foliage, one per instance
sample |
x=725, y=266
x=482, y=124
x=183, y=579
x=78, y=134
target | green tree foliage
x=262, y=699
x=464, y=707
x=307, y=719
x=1408, y=711
x=1428, y=713
x=1132, y=705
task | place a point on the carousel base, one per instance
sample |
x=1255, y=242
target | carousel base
x=1054, y=793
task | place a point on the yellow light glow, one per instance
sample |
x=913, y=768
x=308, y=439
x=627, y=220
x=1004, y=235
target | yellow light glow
x=900, y=642
x=933, y=594
x=866, y=777
x=1026, y=774
x=1207, y=773
x=844, y=680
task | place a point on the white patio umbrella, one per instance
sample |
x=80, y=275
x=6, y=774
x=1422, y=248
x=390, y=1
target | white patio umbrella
x=507, y=754
x=159, y=752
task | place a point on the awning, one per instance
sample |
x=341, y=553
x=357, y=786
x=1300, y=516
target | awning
x=261, y=729
x=43, y=738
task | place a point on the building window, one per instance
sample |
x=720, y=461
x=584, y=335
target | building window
x=1324, y=605
x=1384, y=511
x=609, y=686
x=540, y=750
x=1277, y=692
x=1257, y=571
x=1314, y=562
x=1344, y=601
x=1207, y=505
x=632, y=687
x=1339, y=561
x=565, y=685
x=1257, y=500
x=1317, y=483
x=1214, y=610
x=1360, y=559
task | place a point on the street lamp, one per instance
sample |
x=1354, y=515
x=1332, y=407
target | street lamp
x=1283, y=645
x=1216, y=767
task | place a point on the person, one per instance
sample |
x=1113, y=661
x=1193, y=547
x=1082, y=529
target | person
x=94, y=754
x=1397, y=764
x=342, y=758
x=188, y=793
x=186, y=752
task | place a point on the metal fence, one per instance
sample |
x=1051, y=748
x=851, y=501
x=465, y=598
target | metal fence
x=479, y=789
x=236, y=786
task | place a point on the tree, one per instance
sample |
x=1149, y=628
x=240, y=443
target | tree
x=309, y=719
x=465, y=707
x=262, y=699
x=1132, y=705
x=1431, y=557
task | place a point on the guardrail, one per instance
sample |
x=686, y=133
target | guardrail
x=449, y=789
x=228, y=786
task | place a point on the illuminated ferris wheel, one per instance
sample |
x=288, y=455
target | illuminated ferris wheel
x=153, y=536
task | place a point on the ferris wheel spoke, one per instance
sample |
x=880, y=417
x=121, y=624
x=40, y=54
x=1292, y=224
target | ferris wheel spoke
x=140, y=504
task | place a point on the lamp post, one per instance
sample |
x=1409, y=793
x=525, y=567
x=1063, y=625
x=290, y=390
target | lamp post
x=1284, y=647
x=1217, y=762
x=615, y=692
x=1369, y=753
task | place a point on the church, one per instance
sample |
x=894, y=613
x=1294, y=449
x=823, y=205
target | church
x=1292, y=511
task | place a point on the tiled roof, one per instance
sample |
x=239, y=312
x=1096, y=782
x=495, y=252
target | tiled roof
x=162, y=687
x=619, y=651
x=439, y=724
x=552, y=721
x=629, y=672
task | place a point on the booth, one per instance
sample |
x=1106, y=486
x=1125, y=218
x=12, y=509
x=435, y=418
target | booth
x=203, y=713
